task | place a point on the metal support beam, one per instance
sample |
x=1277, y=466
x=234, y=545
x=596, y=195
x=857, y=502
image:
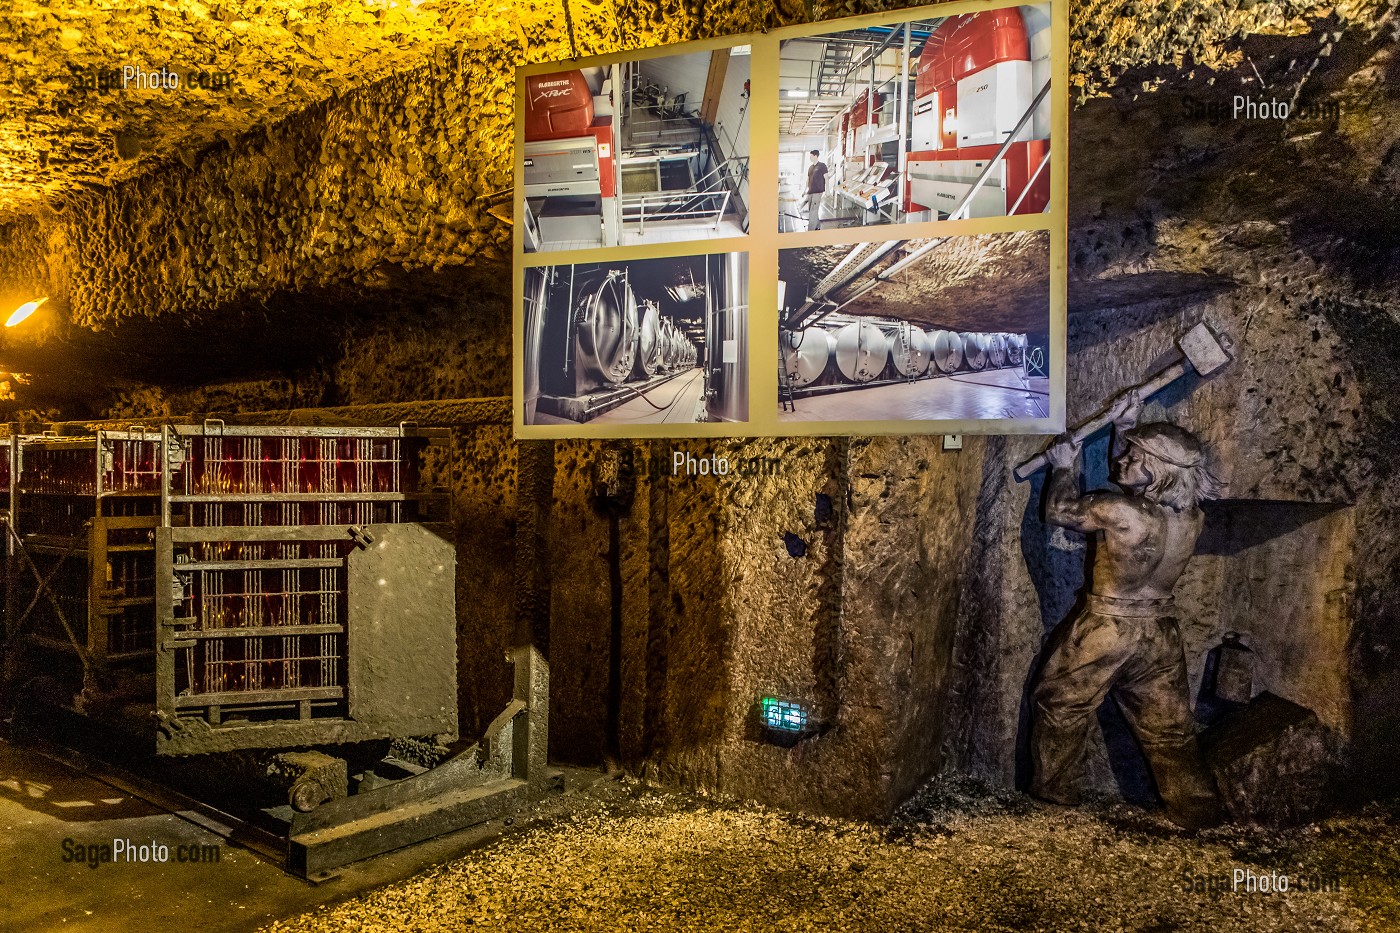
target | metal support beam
x=903, y=116
x=714, y=83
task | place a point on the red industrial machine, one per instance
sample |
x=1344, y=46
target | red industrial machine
x=570, y=180
x=862, y=119
x=972, y=86
x=867, y=184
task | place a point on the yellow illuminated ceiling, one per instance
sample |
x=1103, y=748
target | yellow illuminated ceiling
x=63, y=125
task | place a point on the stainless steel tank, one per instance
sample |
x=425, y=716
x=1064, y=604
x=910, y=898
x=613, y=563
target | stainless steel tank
x=909, y=349
x=685, y=352
x=536, y=294
x=806, y=354
x=862, y=350
x=947, y=348
x=650, y=341
x=726, y=337
x=666, y=349
x=996, y=349
x=606, y=326
x=677, y=347
x=975, y=351
x=1016, y=348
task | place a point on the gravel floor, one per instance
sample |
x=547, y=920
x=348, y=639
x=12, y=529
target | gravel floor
x=954, y=859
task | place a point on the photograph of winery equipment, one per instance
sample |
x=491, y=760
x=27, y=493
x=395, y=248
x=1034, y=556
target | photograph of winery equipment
x=235, y=582
x=642, y=151
x=570, y=193
x=945, y=329
x=936, y=118
x=845, y=352
x=637, y=342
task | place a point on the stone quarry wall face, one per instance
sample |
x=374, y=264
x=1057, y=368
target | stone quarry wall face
x=803, y=573
x=581, y=604
x=913, y=510
x=484, y=492
x=826, y=571
x=783, y=556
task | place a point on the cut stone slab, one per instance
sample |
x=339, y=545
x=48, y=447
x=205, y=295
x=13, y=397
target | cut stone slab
x=1273, y=762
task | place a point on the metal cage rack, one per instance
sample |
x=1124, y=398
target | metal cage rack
x=205, y=570
x=82, y=517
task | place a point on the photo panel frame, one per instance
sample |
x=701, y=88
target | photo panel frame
x=664, y=193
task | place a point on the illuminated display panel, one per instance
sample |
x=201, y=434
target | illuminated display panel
x=848, y=227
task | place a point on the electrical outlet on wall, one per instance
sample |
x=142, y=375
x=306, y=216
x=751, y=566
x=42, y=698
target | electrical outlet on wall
x=952, y=442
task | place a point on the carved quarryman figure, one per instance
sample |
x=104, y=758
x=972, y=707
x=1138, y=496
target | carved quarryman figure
x=1126, y=640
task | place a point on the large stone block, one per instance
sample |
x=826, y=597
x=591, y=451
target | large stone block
x=1273, y=761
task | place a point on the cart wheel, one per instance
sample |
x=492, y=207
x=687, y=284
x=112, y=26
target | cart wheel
x=306, y=796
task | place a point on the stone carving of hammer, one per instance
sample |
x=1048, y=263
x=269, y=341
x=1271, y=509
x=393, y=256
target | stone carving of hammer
x=1202, y=351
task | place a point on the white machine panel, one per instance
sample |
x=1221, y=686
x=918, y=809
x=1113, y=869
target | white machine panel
x=924, y=126
x=869, y=189
x=942, y=185
x=863, y=137
x=991, y=101
x=578, y=228
x=883, y=134
x=562, y=166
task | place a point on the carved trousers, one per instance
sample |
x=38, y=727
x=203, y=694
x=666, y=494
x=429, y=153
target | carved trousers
x=1140, y=660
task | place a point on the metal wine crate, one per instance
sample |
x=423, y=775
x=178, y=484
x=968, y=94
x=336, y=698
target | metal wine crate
x=261, y=587
x=283, y=636
x=83, y=511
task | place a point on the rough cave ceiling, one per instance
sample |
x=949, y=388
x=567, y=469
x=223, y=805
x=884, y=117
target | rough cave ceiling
x=65, y=122
x=282, y=56
x=994, y=282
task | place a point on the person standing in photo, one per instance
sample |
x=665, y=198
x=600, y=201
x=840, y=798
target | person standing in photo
x=816, y=189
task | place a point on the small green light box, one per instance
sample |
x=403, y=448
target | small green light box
x=782, y=715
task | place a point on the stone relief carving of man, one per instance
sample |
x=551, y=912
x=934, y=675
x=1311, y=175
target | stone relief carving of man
x=1126, y=640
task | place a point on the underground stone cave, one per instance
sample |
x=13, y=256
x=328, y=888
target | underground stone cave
x=303, y=632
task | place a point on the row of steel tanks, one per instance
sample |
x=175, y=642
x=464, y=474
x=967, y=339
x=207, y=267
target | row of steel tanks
x=863, y=352
x=587, y=330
